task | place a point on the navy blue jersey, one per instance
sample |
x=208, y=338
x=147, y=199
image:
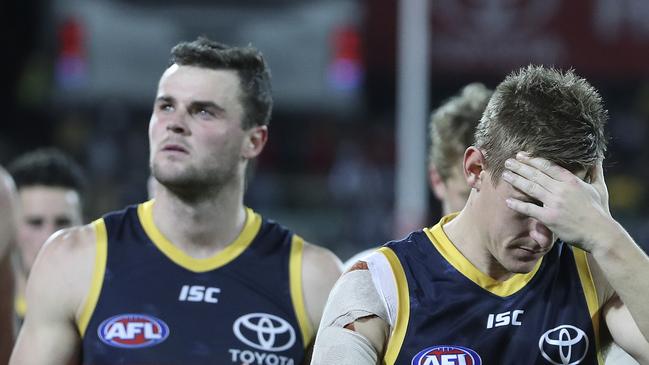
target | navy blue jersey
x=150, y=303
x=451, y=313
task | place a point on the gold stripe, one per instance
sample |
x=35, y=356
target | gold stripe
x=454, y=257
x=587, y=283
x=297, y=296
x=230, y=252
x=20, y=306
x=101, y=253
x=403, y=308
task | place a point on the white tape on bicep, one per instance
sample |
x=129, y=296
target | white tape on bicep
x=354, y=296
x=340, y=346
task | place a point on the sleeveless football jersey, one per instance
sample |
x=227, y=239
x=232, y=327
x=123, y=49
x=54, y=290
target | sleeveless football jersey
x=448, y=312
x=150, y=303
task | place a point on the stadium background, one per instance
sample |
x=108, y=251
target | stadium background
x=81, y=75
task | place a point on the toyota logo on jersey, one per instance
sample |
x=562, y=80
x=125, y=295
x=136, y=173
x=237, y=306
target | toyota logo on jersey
x=264, y=332
x=564, y=345
x=447, y=355
x=132, y=331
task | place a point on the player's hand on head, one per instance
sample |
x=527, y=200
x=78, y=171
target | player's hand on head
x=596, y=175
x=569, y=206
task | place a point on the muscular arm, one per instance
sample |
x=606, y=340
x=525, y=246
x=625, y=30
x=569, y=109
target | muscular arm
x=623, y=296
x=7, y=233
x=57, y=286
x=320, y=270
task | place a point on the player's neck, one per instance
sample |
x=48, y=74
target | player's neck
x=465, y=233
x=200, y=227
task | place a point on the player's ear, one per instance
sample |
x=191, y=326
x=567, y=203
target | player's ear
x=474, y=164
x=436, y=183
x=254, y=141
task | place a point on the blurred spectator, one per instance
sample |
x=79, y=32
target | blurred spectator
x=452, y=128
x=50, y=187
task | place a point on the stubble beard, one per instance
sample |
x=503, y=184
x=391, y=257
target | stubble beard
x=192, y=183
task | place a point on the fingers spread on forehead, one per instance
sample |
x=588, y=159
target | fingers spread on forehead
x=549, y=168
x=525, y=208
x=526, y=185
x=529, y=172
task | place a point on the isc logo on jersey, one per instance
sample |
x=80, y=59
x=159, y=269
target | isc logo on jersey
x=447, y=355
x=133, y=331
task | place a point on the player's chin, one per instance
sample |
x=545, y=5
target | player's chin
x=171, y=174
x=522, y=265
x=169, y=165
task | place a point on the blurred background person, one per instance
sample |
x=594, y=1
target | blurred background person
x=452, y=128
x=7, y=237
x=50, y=191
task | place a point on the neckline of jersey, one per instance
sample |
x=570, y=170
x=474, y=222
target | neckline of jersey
x=453, y=256
x=230, y=252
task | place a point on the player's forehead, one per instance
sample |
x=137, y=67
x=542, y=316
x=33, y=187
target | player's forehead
x=201, y=78
x=190, y=85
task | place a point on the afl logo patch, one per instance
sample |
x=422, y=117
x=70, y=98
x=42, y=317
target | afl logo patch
x=443, y=355
x=132, y=331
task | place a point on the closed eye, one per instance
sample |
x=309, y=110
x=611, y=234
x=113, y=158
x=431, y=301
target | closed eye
x=34, y=222
x=62, y=222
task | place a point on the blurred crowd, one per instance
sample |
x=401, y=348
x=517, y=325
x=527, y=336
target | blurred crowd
x=330, y=177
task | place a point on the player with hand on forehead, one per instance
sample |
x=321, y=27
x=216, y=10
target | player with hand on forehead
x=528, y=272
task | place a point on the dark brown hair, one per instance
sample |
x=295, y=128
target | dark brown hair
x=254, y=74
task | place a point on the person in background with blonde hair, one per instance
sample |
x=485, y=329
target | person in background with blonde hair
x=452, y=128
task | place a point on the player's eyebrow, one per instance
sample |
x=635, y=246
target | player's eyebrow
x=166, y=99
x=206, y=105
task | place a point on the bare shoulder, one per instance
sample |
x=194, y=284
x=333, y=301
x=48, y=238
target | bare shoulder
x=324, y=263
x=57, y=286
x=320, y=270
x=6, y=183
x=63, y=268
x=70, y=244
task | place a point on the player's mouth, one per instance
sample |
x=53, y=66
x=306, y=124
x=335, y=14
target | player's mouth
x=530, y=253
x=174, y=148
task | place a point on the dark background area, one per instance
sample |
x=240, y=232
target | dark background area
x=81, y=76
